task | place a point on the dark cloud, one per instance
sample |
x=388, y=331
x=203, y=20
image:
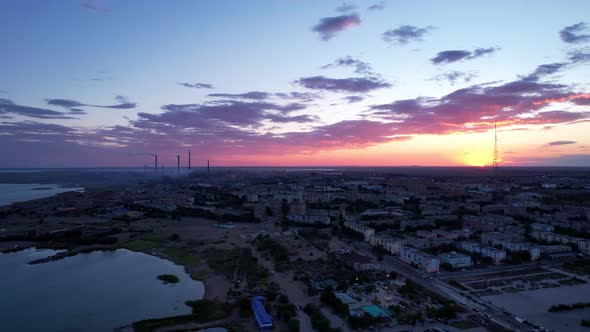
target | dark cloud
x=354, y=99
x=458, y=55
x=346, y=134
x=346, y=7
x=557, y=143
x=261, y=95
x=9, y=107
x=239, y=129
x=121, y=106
x=405, y=34
x=330, y=26
x=256, y=95
x=360, y=67
x=196, y=85
x=302, y=96
x=573, y=34
x=77, y=111
x=230, y=112
x=69, y=103
x=579, y=56
x=450, y=56
x=94, y=5
x=454, y=77
x=353, y=84
x=477, y=108
x=545, y=70
x=122, y=99
x=377, y=6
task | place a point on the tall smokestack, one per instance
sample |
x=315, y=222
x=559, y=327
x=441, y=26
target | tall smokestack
x=156, y=163
x=189, y=158
x=207, y=167
x=177, y=165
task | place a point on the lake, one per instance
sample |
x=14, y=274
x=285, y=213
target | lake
x=12, y=193
x=92, y=292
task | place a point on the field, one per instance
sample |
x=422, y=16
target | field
x=534, y=304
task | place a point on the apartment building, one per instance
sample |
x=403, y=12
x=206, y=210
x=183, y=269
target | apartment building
x=424, y=261
x=455, y=259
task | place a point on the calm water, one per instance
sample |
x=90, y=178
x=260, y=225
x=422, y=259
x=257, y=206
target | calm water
x=89, y=292
x=12, y=193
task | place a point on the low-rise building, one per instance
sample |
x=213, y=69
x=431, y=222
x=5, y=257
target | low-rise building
x=424, y=261
x=455, y=259
x=367, y=232
x=307, y=219
x=390, y=245
x=539, y=227
x=359, y=262
x=497, y=255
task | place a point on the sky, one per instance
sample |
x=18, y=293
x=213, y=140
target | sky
x=87, y=83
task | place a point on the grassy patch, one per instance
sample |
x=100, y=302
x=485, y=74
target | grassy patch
x=146, y=242
x=238, y=262
x=199, y=275
x=464, y=324
x=511, y=290
x=572, y=281
x=579, y=267
x=168, y=278
x=208, y=311
x=149, y=325
x=182, y=256
x=203, y=311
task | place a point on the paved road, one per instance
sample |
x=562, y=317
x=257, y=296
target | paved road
x=492, y=269
x=491, y=312
x=295, y=291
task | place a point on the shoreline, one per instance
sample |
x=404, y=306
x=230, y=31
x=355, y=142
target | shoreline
x=215, y=286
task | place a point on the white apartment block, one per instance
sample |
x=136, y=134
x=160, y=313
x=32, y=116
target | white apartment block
x=392, y=246
x=367, y=232
x=424, y=261
x=497, y=255
x=582, y=244
x=456, y=260
x=533, y=250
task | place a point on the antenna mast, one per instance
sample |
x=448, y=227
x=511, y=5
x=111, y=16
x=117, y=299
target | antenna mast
x=495, y=165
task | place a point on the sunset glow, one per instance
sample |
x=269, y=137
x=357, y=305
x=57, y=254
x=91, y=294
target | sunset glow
x=320, y=84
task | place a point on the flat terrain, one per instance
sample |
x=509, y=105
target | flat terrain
x=533, y=305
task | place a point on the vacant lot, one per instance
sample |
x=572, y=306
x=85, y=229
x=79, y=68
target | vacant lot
x=533, y=305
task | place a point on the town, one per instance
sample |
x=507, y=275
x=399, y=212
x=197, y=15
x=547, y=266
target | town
x=342, y=249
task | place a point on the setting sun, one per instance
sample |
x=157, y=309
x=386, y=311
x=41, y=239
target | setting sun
x=477, y=158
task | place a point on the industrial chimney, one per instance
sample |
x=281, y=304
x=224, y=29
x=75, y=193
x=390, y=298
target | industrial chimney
x=156, y=163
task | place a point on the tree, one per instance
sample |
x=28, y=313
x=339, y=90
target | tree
x=245, y=307
x=293, y=325
x=361, y=322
